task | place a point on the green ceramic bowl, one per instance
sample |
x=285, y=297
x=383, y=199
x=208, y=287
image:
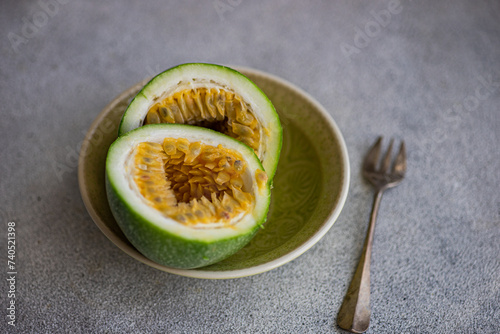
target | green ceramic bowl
x=310, y=186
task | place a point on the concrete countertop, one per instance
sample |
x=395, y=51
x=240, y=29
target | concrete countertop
x=427, y=72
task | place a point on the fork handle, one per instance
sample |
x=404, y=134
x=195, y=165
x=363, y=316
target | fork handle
x=354, y=314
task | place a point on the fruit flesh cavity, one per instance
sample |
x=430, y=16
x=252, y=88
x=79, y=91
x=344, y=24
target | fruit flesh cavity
x=193, y=183
x=217, y=108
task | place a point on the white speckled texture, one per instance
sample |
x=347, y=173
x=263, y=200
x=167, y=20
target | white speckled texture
x=422, y=76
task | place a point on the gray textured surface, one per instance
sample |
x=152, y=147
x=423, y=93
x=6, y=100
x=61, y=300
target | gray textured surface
x=421, y=77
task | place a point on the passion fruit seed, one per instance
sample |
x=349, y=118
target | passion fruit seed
x=261, y=178
x=192, y=182
x=215, y=108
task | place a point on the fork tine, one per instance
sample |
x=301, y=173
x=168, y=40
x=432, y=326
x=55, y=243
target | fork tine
x=386, y=162
x=400, y=162
x=373, y=155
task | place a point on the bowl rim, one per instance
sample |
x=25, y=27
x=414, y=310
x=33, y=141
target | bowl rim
x=223, y=274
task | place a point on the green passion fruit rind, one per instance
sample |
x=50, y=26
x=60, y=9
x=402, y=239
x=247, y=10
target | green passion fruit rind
x=170, y=232
x=211, y=96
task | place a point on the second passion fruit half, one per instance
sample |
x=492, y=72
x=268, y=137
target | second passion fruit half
x=186, y=196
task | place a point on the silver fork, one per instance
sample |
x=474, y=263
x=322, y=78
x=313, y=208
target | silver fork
x=354, y=314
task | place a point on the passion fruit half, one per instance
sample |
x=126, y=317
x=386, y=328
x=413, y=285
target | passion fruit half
x=186, y=196
x=210, y=96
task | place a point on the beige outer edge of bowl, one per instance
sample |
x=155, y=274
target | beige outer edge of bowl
x=228, y=274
